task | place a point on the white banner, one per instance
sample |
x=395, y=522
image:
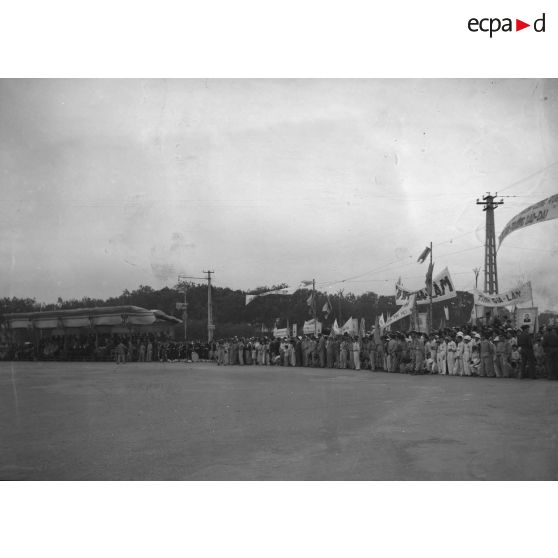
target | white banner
x=285, y=291
x=283, y=332
x=422, y=322
x=512, y=297
x=544, y=210
x=308, y=328
x=403, y=312
x=442, y=289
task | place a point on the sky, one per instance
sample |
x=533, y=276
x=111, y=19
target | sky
x=111, y=184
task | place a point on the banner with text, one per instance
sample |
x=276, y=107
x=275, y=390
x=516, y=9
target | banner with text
x=312, y=326
x=544, y=210
x=442, y=289
x=523, y=293
x=403, y=312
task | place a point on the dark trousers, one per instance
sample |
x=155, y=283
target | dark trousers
x=527, y=366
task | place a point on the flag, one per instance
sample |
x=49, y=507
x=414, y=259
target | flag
x=350, y=326
x=335, y=328
x=424, y=254
x=446, y=312
x=378, y=330
x=429, y=276
x=305, y=283
x=381, y=321
x=327, y=308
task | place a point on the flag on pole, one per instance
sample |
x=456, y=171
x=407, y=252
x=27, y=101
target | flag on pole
x=424, y=254
x=446, y=312
x=304, y=284
x=327, y=308
x=429, y=276
x=335, y=328
x=382, y=322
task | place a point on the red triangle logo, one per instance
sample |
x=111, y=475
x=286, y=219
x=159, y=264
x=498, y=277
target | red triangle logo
x=519, y=25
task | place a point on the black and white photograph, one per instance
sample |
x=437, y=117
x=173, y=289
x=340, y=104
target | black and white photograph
x=279, y=279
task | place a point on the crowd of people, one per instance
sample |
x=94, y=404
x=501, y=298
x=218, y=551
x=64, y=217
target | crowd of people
x=502, y=352
x=119, y=348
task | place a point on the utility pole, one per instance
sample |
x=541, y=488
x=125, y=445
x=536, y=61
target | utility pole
x=490, y=270
x=184, y=306
x=210, y=325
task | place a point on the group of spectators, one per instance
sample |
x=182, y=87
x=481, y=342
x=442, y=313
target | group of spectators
x=121, y=348
x=501, y=352
x=498, y=351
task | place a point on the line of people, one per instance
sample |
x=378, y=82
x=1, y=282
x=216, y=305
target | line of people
x=469, y=351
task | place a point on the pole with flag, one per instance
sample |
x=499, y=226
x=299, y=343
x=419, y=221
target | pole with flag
x=428, y=251
x=314, y=306
x=429, y=279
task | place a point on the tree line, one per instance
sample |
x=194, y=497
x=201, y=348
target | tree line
x=233, y=317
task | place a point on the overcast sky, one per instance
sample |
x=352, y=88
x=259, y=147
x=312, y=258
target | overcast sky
x=109, y=184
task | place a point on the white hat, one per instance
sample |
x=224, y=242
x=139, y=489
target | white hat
x=496, y=338
x=459, y=334
x=467, y=338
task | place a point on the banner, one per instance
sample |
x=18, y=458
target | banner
x=283, y=332
x=544, y=210
x=285, y=291
x=308, y=328
x=527, y=316
x=442, y=289
x=422, y=322
x=512, y=297
x=403, y=312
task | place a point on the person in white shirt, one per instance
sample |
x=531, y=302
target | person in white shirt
x=442, y=355
x=467, y=355
x=452, y=348
x=356, y=353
